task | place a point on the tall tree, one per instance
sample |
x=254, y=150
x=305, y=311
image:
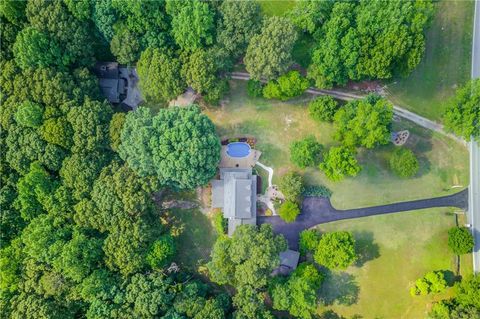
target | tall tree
x=159, y=72
x=269, y=53
x=33, y=48
x=340, y=162
x=179, y=146
x=239, y=22
x=192, y=23
x=366, y=122
x=246, y=261
x=336, y=250
x=463, y=112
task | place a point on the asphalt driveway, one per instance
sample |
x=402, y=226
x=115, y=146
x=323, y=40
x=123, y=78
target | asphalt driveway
x=319, y=210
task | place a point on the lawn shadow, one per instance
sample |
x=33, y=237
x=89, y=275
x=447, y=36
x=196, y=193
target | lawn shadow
x=365, y=247
x=339, y=288
x=195, y=242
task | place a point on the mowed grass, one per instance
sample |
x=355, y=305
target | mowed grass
x=444, y=163
x=196, y=241
x=276, y=7
x=395, y=250
x=445, y=65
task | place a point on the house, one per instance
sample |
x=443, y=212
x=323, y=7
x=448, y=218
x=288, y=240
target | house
x=236, y=194
x=118, y=84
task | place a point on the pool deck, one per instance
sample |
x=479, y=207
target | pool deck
x=249, y=161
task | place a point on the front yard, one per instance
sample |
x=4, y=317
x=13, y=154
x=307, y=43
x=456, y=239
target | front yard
x=396, y=250
x=443, y=162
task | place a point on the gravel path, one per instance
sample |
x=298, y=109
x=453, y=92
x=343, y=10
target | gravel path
x=319, y=210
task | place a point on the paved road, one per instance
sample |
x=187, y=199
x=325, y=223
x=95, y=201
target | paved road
x=318, y=210
x=348, y=96
x=474, y=196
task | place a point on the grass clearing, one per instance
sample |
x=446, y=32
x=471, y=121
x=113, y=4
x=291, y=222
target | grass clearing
x=443, y=162
x=276, y=8
x=445, y=65
x=395, y=250
x=196, y=241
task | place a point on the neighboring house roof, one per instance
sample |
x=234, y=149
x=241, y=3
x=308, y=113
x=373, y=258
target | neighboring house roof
x=236, y=193
x=289, y=258
x=118, y=84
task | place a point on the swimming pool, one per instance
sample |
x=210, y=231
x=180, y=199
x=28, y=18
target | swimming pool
x=238, y=149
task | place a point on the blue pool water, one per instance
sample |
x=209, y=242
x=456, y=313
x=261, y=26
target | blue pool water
x=238, y=149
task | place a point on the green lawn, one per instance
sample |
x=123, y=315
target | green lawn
x=395, y=250
x=196, y=241
x=444, y=163
x=276, y=8
x=446, y=64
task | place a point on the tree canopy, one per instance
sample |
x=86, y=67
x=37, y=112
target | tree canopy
x=336, y=250
x=245, y=261
x=463, y=112
x=367, y=39
x=460, y=240
x=364, y=122
x=306, y=152
x=160, y=75
x=340, y=162
x=404, y=163
x=269, y=52
x=178, y=146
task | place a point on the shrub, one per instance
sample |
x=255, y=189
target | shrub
x=219, y=223
x=404, y=163
x=432, y=282
x=287, y=86
x=161, y=251
x=460, y=240
x=306, y=152
x=308, y=241
x=340, y=162
x=336, y=250
x=323, y=108
x=254, y=88
x=317, y=191
x=289, y=211
x=291, y=186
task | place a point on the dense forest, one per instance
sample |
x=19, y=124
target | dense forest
x=81, y=234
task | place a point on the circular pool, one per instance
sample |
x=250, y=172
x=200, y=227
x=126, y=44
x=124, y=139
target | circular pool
x=238, y=149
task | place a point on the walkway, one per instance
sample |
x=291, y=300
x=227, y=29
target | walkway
x=347, y=96
x=319, y=210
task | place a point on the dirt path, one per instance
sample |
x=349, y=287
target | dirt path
x=348, y=96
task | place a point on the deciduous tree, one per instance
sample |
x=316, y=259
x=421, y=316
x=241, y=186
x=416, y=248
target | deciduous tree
x=336, y=250
x=160, y=75
x=269, y=53
x=365, y=122
x=463, y=112
x=185, y=156
x=340, y=162
x=460, y=240
x=306, y=152
x=404, y=163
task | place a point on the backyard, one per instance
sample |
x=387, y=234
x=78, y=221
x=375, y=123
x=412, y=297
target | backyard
x=445, y=65
x=443, y=162
x=395, y=250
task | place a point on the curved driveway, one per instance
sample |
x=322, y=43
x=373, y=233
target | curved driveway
x=319, y=210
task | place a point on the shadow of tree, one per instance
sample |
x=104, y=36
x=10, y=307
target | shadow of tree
x=450, y=277
x=339, y=288
x=365, y=247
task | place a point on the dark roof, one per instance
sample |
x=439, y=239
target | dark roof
x=106, y=70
